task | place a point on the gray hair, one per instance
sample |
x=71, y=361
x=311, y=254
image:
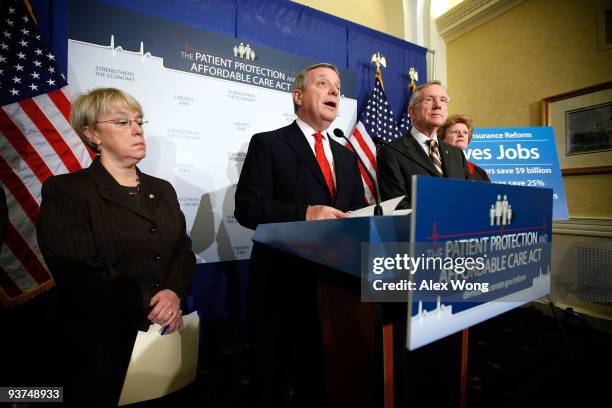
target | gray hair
x=416, y=94
x=300, y=80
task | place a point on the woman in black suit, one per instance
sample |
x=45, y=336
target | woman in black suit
x=458, y=131
x=114, y=239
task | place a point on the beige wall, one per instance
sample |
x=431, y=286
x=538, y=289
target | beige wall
x=500, y=71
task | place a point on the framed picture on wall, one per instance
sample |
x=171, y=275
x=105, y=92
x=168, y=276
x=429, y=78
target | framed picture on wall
x=604, y=25
x=582, y=123
x=589, y=129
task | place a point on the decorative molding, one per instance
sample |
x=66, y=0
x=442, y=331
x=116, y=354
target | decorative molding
x=470, y=14
x=581, y=171
x=588, y=227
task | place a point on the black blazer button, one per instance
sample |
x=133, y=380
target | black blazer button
x=156, y=258
x=153, y=229
x=156, y=285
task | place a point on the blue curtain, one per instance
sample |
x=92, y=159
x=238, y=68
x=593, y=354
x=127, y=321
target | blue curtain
x=278, y=24
x=399, y=55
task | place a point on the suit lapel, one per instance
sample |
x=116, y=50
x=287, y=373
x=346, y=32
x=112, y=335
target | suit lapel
x=444, y=157
x=109, y=189
x=150, y=198
x=415, y=151
x=295, y=138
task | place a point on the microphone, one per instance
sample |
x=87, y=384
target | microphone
x=377, y=208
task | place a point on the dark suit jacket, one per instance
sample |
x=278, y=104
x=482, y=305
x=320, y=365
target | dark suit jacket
x=281, y=178
x=395, y=170
x=109, y=253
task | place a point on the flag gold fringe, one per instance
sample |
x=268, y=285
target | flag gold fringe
x=10, y=302
x=378, y=76
x=29, y=7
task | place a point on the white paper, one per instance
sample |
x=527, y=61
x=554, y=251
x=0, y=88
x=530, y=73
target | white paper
x=388, y=208
x=162, y=364
x=402, y=212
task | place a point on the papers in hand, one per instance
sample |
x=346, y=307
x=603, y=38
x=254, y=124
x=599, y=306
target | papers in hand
x=388, y=208
x=162, y=364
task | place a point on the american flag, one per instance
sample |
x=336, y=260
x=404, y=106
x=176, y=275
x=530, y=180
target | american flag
x=376, y=120
x=405, y=122
x=36, y=141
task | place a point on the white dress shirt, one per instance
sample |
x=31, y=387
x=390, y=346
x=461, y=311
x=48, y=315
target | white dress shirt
x=422, y=139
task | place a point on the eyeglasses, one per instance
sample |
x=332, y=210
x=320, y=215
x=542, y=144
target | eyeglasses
x=444, y=100
x=124, y=123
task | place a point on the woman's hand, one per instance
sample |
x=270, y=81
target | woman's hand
x=176, y=325
x=166, y=310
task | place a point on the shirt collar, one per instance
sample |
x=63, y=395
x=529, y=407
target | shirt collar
x=308, y=130
x=421, y=137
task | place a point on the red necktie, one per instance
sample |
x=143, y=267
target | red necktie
x=324, y=164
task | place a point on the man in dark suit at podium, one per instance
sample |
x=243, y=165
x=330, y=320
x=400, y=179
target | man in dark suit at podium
x=294, y=173
x=298, y=172
x=421, y=153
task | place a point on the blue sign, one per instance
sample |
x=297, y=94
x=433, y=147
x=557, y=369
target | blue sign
x=478, y=250
x=521, y=157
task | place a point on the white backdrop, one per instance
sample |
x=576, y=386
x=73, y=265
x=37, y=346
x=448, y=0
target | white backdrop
x=197, y=136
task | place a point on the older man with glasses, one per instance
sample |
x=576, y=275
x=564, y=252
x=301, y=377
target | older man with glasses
x=420, y=152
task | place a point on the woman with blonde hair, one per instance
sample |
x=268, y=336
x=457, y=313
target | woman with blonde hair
x=115, y=241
